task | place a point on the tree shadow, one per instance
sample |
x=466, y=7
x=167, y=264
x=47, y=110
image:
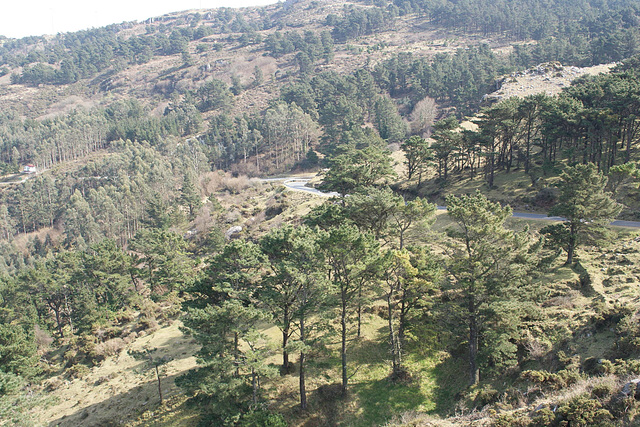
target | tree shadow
x=180, y=347
x=367, y=352
x=119, y=408
x=380, y=399
x=451, y=380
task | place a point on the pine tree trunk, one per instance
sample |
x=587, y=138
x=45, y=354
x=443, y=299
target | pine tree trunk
x=59, y=323
x=303, y=389
x=359, y=312
x=236, y=353
x=254, y=385
x=285, y=353
x=159, y=383
x=572, y=244
x=474, y=372
x=392, y=337
x=343, y=324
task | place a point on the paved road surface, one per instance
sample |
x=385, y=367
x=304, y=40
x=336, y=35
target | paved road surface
x=299, y=184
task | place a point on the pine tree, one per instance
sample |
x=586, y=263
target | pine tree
x=293, y=292
x=190, y=196
x=358, y=168
x=350, y=256
x=417, y=153
x=485, y=262
x=223, y=315
x=585, y=205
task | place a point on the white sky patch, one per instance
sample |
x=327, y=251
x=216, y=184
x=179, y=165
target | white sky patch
x=21, y=18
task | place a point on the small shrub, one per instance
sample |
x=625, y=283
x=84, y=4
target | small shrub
x=149, y=310
x=535, y=348
x=511, y=420
x=52, y=384
x=554, y=381
x=78, y=371
x=629, y=367
x=543, y=417
x=262, y=418
x=108, y=348
x=601, y=391
x=569, y=376
x=628, y=336
x=106, y=333
x=125, y=316
x=606, y=366
x=236, y=185
x=43, y=340
x=149, y=325
x=569, y=362
x=486, y=395
x=71, y=356
x=581, y=411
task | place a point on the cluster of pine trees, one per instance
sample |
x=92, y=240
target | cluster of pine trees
x=113, y=197
x=592, y=121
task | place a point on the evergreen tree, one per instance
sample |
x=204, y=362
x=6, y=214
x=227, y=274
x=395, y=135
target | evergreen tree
x=356, y=169
x=350, y=256
x=417, y=153
x=222, y=315
x=406, y=277
x=163, y=261
x=18, y=351
x=585, y=205
x=446, y=139
x=293, y=292
x=190, y=196
x=486, y=262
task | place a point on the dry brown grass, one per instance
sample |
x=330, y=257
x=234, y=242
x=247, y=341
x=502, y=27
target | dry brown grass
x=216, y=182
x=119, y=388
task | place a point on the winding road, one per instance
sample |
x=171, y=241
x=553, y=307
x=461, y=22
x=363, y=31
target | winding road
x=300, y=184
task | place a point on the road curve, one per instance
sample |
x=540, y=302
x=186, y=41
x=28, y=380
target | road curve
x=299, y=184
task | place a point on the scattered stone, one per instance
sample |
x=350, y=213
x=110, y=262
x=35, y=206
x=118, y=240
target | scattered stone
x=631, y=386
x=232, y=232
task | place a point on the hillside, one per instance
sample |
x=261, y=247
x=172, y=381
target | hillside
x=157, y=268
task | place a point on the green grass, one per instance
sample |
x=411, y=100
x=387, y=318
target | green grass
x=374, y=399
x=380, y=399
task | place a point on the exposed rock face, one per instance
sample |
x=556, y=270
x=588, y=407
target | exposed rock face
x=549, y=78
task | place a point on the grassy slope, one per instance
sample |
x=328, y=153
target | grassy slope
x=118, y=389
x=121, y=386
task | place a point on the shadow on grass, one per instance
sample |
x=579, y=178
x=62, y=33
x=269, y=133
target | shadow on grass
x=368, y=352
x=451, y=380
x=118, y=408
x=380, y=399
